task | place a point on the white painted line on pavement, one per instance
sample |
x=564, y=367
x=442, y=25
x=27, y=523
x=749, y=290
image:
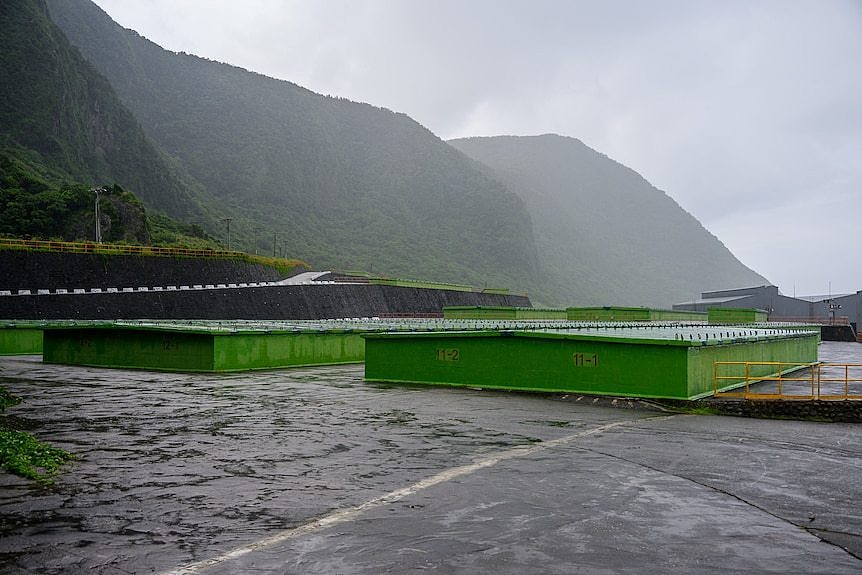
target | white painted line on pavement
x=338, y=516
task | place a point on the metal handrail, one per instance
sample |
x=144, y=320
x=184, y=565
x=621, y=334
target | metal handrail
x=126, y=249
x=815, y=378
x=839, y=320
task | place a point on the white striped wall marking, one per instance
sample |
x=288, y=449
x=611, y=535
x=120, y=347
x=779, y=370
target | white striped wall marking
x=343, y=515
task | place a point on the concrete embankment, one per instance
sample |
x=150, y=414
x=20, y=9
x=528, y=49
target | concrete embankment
x=30, y=270
x=266, y=302
x=102, y=286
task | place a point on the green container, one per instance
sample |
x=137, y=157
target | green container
x=479, y=312
x=608, y=314
x=613, y=313
x=729, y=315
x=15, y=340
x=677, y=315
x=199, y=350
x=502, y=312
x=574, y=362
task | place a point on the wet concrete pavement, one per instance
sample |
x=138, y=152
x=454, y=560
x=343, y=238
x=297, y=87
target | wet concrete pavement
x=316, y=471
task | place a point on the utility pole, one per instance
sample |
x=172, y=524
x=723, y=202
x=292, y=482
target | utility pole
x=98, y=218
x=227, y=221
x=254, y=244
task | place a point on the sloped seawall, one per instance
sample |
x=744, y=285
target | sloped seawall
x=258, y=302
x=33, y=270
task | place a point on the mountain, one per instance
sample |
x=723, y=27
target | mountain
x=342, y=184
x=605, y=235
x=60, y=120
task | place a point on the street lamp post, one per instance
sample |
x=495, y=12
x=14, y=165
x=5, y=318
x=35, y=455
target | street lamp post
x=227, y=221
x=254, y=243
x=98, y=216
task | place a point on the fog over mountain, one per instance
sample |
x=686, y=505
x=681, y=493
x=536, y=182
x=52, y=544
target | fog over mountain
x=604, y=234
x=348, y=185
x=746, y=113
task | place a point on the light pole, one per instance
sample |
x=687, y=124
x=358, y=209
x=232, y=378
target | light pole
x=254, y=235
x=227, y=221
x=274, y=242
x=98, y=215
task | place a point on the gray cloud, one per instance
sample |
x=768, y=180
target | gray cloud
x=745, y=112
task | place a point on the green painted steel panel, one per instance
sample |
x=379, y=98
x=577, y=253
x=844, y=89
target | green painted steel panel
x=506, y=313
x=608, y=314
x=130, y=348
x=540, y=313
x=261, y=351
x=20, y=341
x=677, y=315
x=725, y=315
x=478, y=312
x=612, y=313
x=204, y=351
x=568, y=362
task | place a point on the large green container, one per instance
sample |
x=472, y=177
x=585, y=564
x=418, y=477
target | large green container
x=612, y=313
x=502, y=312
x=729, y=315
x=20, y=340
x=608, y=314
x=199, y=350
x=677, y=315
x=478, y=312
x=629, y=363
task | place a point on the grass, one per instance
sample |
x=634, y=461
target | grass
x=24, y=455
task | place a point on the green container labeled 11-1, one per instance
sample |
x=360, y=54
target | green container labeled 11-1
x=678, y=368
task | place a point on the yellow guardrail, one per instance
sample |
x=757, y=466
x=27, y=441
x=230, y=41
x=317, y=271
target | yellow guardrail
x=125, y=249
x=94, y=248
x=788, y=380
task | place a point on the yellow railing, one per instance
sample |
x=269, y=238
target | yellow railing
x=788, y=380
x=124, y=249
x=94, y=248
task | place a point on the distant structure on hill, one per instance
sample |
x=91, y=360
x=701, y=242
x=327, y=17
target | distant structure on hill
x=782, y=307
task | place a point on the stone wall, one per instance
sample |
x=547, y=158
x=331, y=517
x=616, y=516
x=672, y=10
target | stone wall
x=265, y=302
x=22, y=270
x=840, y=411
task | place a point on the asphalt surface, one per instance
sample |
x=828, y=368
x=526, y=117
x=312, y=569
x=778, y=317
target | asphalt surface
x=317, y=471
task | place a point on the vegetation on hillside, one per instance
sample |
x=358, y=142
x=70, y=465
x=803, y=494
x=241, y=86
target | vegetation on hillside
x=62, y=120
x=36, y=202
x=334, y=182
x=272, y=168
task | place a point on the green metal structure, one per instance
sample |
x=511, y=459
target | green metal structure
x=507, y=313
x=172, y=349
x=614, y=313
x=729, y=315
x=20, y=338
x=653, y=362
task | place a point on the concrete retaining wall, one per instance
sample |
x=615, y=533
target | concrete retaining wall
x=840, y=411
x=45, y=270
x=269, y=302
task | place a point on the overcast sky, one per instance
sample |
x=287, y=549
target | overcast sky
x=747, y=113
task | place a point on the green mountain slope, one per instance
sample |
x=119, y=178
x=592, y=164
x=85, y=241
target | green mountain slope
x=343, y=184
x=58, y=114
x=604, y=234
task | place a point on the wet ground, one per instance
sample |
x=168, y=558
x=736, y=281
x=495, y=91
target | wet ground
x=316, y=471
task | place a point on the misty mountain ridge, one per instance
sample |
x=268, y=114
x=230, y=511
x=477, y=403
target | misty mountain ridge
x=347, y=185
x=604, y=233
x=342, y=184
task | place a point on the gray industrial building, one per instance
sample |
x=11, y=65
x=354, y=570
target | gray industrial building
x=782, y=307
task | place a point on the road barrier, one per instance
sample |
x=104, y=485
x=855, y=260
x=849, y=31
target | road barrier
x=788, y=380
